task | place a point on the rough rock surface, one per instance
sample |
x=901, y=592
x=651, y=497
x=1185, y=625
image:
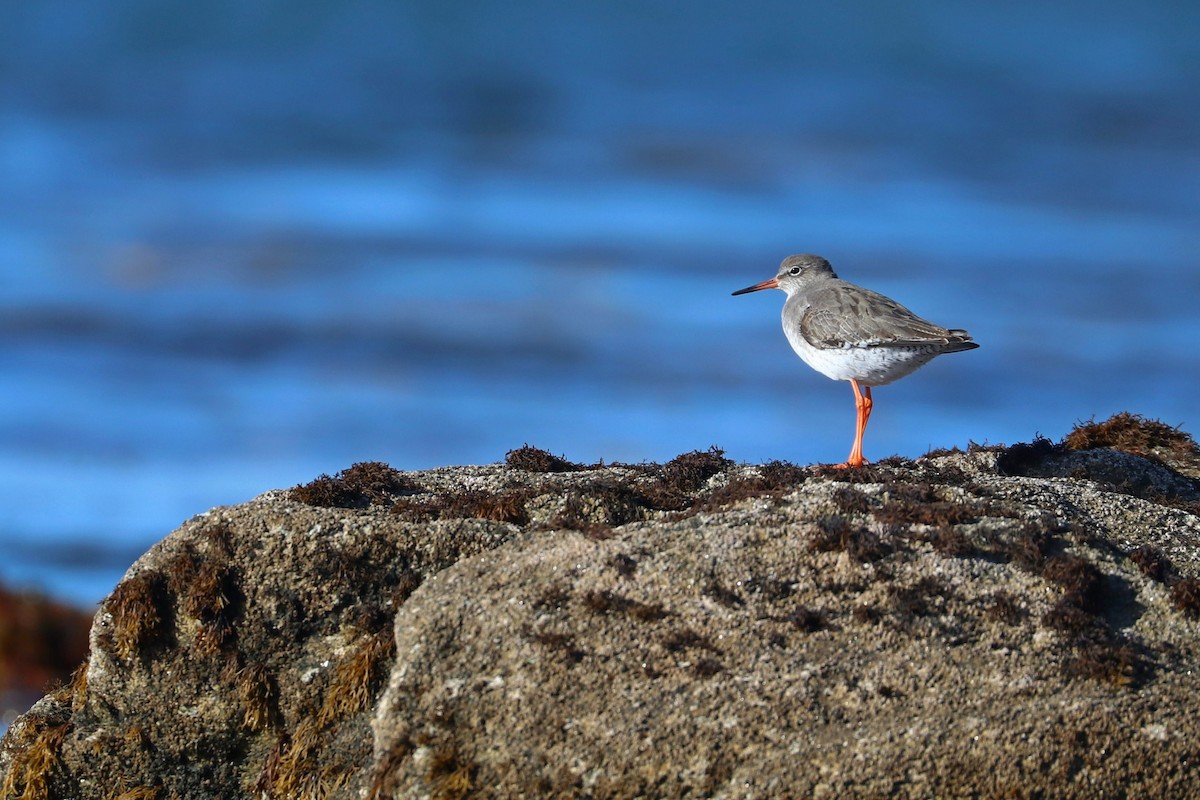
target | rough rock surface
x=1006, y=622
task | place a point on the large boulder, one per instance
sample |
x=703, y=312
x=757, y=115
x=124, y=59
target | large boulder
x=1006, y=622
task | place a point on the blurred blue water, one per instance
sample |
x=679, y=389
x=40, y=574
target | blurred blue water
x=244, y=244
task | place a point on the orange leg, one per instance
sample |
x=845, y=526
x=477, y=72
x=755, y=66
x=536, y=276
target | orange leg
x=862, y=405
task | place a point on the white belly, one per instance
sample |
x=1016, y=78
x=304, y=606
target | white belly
x=870, y=366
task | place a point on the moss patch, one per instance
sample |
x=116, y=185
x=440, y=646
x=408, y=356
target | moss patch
x=363, y=484
x=1134, y=434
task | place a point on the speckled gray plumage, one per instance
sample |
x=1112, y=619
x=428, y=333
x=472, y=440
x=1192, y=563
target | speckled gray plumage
x=834, y=313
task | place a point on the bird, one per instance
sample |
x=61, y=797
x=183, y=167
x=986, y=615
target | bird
x=850, y=333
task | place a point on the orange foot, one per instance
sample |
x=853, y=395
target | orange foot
x=862, y=462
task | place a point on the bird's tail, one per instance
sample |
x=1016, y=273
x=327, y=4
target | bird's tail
x=958, y=340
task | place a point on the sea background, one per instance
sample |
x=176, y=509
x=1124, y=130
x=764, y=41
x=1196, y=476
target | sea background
x=244, y=244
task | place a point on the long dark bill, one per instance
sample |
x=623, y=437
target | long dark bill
x=773, y=283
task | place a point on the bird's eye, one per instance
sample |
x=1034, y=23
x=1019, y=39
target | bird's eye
x=794, y=271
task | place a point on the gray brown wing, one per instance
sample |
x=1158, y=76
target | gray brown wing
x=842, y=314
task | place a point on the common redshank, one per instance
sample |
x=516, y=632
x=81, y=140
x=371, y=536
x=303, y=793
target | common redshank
x=849, y=333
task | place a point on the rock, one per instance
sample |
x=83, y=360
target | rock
x=1004, y=622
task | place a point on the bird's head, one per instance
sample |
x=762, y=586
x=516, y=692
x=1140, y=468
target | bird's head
x=795, y=273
